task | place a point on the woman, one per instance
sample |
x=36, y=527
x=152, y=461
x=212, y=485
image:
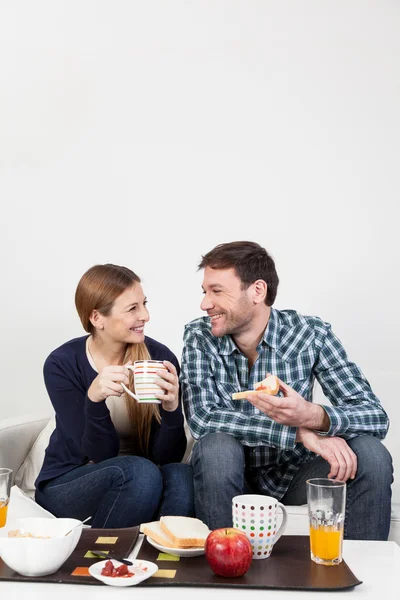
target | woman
x=103, y=456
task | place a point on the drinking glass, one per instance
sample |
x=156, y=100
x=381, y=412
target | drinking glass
x=326, y=509
x=5, y=486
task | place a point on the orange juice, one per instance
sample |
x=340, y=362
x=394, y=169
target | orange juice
x=3, y=513
x=326, y=543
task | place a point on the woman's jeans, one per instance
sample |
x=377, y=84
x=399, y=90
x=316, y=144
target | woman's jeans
x=120, y=492
x=218, y=462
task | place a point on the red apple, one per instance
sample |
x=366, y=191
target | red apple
x=228, y=552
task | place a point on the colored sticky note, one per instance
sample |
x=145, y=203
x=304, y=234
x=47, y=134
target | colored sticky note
x=165, y=556
x=90, y=555
x=81, y=572
x=167, y=573
x=106, y=540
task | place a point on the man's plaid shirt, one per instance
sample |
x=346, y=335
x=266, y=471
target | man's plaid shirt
x=298, y=350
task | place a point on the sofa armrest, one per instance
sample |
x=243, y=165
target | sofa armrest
x=17, y=436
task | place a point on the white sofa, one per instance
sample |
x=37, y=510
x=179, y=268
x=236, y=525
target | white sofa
x=18, y=436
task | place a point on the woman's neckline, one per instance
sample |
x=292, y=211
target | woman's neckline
x=89, y=356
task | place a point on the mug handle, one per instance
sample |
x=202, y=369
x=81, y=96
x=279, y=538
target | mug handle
x=283, y=524
x=128, y=391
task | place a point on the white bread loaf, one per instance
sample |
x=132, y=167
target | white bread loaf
x=185, y=532
x=154, y=531
x=269, y=385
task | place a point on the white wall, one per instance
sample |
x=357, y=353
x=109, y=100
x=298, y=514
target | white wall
x=144, y=133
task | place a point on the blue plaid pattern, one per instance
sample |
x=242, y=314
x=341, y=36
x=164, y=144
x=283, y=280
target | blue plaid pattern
x=296, y=348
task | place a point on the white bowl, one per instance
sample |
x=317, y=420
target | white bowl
x=35, y=557
x=183, y=552
x=142, y=569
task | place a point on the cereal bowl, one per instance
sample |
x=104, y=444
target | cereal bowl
x=46, y=548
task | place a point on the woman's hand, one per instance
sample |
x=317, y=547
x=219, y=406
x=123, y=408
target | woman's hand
x=170, y=383
x=108, y=382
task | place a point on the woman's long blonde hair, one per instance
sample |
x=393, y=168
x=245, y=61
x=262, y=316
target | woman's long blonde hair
x=97, y=290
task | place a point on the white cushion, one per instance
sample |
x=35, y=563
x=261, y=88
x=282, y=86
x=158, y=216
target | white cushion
x=29, y=470
x=17, y=436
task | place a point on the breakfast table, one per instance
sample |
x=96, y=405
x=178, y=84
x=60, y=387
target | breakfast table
x=376, y=564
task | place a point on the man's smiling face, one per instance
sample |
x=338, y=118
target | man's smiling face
x=229, y=307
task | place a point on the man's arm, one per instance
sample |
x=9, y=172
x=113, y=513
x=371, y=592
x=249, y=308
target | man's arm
x=291, y=409
x=206, y=412
x=355, y=409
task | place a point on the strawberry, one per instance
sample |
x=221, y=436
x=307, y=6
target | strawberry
x=108, y=569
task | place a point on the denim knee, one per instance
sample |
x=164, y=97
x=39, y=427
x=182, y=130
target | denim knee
x=138, y=471
x=374, y=461
x=177, y=472
x=178, y=490
x=218, y=455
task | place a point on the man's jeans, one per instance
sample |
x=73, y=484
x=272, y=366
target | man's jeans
x=120, y=492
x=218, y=463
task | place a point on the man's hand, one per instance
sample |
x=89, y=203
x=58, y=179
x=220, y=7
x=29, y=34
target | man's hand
x=291, y=410
x=334, y=450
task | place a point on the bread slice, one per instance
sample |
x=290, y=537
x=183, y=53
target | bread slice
x=244, y=395
x=154, y=531
x=269, y=385
x=185, y=532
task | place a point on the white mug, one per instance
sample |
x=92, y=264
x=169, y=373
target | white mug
x=256, y=516
x=145, y=380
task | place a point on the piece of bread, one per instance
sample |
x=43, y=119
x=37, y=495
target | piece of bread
x=185, y=532
x=154, y=531
x=269, y=385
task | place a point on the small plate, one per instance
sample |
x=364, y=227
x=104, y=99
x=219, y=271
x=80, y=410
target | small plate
x=142, y=569
x=176, y=551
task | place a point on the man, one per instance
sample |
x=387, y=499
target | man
x=272, y=444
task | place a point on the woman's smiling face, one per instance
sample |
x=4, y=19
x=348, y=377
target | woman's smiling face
x=128, y=316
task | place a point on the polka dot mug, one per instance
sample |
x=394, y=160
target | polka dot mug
x=256, y=516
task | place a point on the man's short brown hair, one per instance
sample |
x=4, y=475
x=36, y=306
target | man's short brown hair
x=250, y=261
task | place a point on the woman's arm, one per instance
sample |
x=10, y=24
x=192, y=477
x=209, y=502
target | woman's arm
x=168, y=440
x=86, y=426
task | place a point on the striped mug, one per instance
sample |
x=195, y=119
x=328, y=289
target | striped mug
x=145, y=381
